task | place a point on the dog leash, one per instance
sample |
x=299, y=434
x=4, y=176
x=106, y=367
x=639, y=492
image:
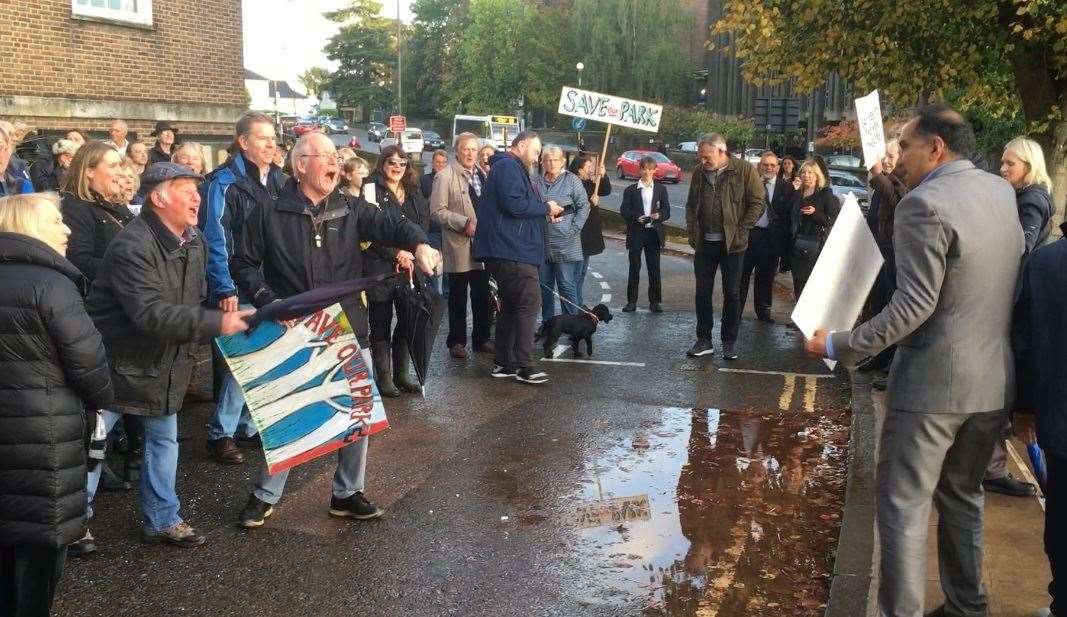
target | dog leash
x=596, y=320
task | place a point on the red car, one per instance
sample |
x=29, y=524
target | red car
x=629, y=166
x=302, y=127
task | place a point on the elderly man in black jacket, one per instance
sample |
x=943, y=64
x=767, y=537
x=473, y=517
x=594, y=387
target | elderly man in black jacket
x=308, y=238
x=1040, y=341
x=147, y=303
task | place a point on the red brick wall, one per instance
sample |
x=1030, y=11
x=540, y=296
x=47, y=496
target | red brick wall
x=192, y=54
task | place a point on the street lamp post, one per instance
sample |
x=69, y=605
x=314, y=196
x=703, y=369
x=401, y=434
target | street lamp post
x=580, y=67
x=399, y=65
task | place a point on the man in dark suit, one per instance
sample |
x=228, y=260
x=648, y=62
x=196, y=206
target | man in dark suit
x=645, y=206
x=762, y=254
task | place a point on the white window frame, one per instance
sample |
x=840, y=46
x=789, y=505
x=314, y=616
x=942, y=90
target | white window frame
x=142, y=16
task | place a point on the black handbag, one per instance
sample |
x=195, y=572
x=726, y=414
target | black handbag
x=806, y=247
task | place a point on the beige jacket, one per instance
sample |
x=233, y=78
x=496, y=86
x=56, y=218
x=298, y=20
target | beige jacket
x=451, y=208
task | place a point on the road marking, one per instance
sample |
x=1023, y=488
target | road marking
x=601, y=362
x=597, y=275
x=559, y=350
x=1025, y=470
x=810, y=387
x=787, y=392
x=786, y=374
x=604, y=285
x=605, y=299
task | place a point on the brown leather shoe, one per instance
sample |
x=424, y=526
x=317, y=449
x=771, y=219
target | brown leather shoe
x=486, y=347
x=457, y=351
x=225, y=451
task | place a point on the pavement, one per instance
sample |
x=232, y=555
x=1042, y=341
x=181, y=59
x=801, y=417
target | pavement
x=637, y=482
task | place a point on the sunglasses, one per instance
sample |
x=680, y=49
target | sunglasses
x=395, y=163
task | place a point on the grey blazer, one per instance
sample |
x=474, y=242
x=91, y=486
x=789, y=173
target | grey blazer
x=959, y=247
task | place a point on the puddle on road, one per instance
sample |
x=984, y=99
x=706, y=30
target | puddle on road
x=714, y=513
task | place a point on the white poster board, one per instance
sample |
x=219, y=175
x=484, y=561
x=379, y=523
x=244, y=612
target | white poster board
x=872, y=132
x=609, y=109
x=843, y=276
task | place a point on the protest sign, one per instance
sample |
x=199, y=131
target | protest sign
x=872, y=133
x=847, y=268
x=609, y=109
x=307, y=386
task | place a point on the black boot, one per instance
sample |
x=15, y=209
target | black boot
x=401, y=360
x=383, y=369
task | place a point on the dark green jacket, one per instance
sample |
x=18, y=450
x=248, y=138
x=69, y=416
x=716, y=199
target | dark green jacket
x=742, y=197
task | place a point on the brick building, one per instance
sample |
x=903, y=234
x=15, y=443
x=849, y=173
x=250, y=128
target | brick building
x=78, y=63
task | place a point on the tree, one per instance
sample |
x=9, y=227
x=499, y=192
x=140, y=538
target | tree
x=314, y=80
x=844, y=135
x=365, y=49
x=432, y=52
x=491, y=61
x=997, y=54
x=688, y=123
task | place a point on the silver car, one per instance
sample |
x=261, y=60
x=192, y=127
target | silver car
x=842, y=183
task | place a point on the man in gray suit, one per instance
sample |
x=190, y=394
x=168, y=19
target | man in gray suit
x=958, y=247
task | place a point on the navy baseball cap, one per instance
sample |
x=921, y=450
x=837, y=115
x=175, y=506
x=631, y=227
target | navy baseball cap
x=159, y=173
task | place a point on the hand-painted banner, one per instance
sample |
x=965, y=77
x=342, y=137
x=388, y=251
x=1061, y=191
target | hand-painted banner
x=610, y=109
x=307, y=385
x=872, y=133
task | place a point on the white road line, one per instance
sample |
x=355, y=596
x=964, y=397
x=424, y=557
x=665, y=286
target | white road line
x=784, y=373
x=605, y=299
x=604, y=285
x=559, y=350
x=602, y=362
x=596, y=275
x=810, y=387
x=787, y=392
x=1025, y=470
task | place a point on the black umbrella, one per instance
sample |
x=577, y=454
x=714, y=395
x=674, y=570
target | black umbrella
x=419, y=313
x=316, y=299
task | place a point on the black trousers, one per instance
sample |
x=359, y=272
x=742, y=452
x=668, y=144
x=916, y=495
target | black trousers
x=518, y=286
x=1056, y=531
x=458, y=283
x=650, y=242
x=710, y=258
x=29, y=576
x=761, y=257
x=380, y=316
x=801, y=271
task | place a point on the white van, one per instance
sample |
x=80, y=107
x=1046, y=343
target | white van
x=411, y=141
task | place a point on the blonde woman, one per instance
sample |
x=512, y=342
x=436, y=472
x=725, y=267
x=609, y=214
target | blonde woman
x=190, y=154
x=1023, y=166
x=814, y=208
x=354, y=171
x=54, y=368
x=131, y=185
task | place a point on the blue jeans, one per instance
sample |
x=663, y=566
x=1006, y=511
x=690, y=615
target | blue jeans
x=231, y=414
x=159, y=472
x=583, y=269
x=564, y=276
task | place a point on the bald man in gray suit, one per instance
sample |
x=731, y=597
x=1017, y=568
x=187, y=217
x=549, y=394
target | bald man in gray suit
x=958, y=247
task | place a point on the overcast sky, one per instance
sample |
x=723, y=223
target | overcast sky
x=283, y=38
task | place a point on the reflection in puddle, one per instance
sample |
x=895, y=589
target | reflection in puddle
x=719, y=514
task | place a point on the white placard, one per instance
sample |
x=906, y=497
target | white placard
x=872, y=132
x=609, y=109
x=843, y=276
x=370, y=193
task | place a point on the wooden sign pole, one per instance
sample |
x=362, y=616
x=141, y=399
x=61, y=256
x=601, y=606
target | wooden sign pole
x=603, y=155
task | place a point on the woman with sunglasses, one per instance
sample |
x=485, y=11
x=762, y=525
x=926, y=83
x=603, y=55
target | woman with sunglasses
x=396, y=191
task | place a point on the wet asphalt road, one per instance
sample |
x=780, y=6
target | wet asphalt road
x=657, y=486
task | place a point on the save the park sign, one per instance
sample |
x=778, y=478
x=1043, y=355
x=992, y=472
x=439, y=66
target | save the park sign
x=609, y=109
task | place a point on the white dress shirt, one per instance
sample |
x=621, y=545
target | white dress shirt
x=646, y=198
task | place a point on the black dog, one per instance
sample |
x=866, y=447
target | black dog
x=580, y=327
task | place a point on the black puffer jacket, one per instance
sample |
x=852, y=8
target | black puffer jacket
x=146, y=301
x=52, y=367
x=1035, y=210
x=93, y=225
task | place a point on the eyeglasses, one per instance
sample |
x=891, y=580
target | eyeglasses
x=329, y=157
x=396, y=163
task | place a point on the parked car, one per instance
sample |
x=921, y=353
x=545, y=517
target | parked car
x=376, y=131
x=629, y=166
x=305, y=126
x=687, y=146
x=843, y=160
x=842, y=183
x=336, y=125
x=752, y=155
x=433, y=140
x=411, y=141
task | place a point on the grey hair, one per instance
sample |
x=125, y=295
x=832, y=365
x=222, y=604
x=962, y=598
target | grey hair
x=551, y=150
x=462, y=137
x=64, y=146
x=715, y=140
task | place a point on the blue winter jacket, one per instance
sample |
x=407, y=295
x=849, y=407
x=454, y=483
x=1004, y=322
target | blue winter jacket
x=510, y=215
x=1040, y=342
x=228, y=194
x=16, y=179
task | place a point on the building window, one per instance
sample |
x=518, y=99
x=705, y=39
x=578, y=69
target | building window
x=135, y=12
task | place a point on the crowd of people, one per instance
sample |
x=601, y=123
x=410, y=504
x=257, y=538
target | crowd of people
x=117, y=260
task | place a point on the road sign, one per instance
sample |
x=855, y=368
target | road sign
x=579, y=124
x=398, y=124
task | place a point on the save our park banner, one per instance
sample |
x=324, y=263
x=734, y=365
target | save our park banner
x=307, y=386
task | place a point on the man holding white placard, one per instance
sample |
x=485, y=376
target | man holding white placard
x=958, y=248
